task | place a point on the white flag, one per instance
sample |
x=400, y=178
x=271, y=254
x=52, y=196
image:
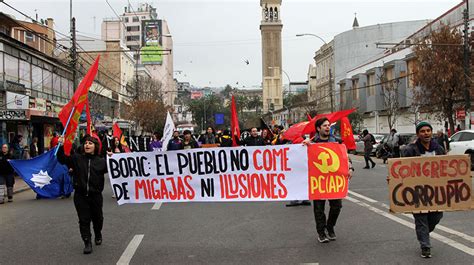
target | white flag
x=168, y=131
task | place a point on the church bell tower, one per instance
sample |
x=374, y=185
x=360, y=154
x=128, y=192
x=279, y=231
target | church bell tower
x=270, y=28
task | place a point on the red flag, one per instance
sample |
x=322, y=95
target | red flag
x=234, y=123
x=346, y=134
x=308, y=116
x=76, y=104
x=117, y=131
x=333, y=117
x=295, y=132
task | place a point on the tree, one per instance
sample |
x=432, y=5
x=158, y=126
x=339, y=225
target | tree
x=147, y=108
x=390, y=97
x=440, y=73
x=203, y=110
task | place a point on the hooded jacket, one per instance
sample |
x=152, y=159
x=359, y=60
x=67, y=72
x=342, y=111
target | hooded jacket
x=88, y=171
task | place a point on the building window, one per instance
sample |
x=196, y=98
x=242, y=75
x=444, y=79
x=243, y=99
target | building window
x=25, y=73
x=133, y=38
x=125, y=19
x=36, y=78
x=133, y=28
x=355, y=89
x=143, y=17
x=28, y=36
x=135, y=19
x=411, y=65
x=47, y=82
x=11, y=68
x=371, y=85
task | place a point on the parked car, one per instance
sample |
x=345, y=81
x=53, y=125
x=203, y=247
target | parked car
x=462, y=142
x=360, y=144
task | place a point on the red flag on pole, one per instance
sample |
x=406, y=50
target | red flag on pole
x=117, y=131
x=346, y=134
x=333, y=117
x=308, y=116
x=71, y=112
x=234, y=123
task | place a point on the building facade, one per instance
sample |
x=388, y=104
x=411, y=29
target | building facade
x=270, y=28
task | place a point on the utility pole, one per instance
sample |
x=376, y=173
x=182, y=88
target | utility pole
x=330, y=89
x=467, y=72
x=137, y=89
x=73, y=52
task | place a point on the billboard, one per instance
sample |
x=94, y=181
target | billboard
x=17, y=101
x=152, y=42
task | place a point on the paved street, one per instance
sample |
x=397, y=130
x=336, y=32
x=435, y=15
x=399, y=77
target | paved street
x=46, y=232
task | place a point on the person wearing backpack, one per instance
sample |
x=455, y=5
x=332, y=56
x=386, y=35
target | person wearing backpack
x=369, y=141
x=396, y=142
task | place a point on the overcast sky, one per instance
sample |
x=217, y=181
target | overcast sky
x=212, y=39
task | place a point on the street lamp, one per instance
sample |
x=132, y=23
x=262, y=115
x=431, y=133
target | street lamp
x=330, y=71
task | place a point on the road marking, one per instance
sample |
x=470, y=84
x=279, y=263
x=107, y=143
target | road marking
x=156, y=206
x=439, y=237
x=362, y=196
x=130, y=250
x=440, y=227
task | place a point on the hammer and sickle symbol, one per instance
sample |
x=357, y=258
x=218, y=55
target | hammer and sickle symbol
x=324, y=157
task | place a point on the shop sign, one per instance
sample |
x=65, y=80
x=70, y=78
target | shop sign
x=13, y=115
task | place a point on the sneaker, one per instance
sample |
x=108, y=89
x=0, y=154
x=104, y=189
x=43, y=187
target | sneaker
x=322, y=238
x=331, y=235
x=426, y=253
x=366, y=167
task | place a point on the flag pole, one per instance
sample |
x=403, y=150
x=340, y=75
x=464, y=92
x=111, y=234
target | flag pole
x=65, y=128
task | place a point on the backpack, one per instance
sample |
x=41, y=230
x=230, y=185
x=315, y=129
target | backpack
x=372, y=139
x=400, y=141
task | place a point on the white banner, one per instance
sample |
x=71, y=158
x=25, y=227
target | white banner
x=266, y=173
x=17, y=101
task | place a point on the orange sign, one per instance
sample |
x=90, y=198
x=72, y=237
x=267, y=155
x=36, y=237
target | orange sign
x=328, y=168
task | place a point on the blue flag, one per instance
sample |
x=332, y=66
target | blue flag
x=45, y=175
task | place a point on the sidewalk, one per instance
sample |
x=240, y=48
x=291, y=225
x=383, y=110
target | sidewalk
x=20, y=185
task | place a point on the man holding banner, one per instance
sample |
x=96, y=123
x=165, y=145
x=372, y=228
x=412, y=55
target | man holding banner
x=425, y=223
x=323, y=127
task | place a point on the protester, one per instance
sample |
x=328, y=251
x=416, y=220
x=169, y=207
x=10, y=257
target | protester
x=278, y=135
x=394, y=142
x=15, y=146
x=425, y=223
x=322, y=225
x=209, y=137
x=6, y=173
x=175, y=143
x=254, y=139
x=188, y=141
x=116, y=146
x=369, y=141
x=386, y=152
x=458, y=128
x=54, y=140
x=88, y=178
x=156, y=144
x=226, y=139
x=34, y=147
x=267, y=140
x=443, y=140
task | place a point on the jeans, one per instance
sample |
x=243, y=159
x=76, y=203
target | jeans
x=320, y=218
x=424, y=224
x=89, y=209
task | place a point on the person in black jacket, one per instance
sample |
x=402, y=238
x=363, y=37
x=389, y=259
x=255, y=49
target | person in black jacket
x=424, y=145
x=254, y=139
x=226, y=139
x=88, y=170
x=6, y=171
